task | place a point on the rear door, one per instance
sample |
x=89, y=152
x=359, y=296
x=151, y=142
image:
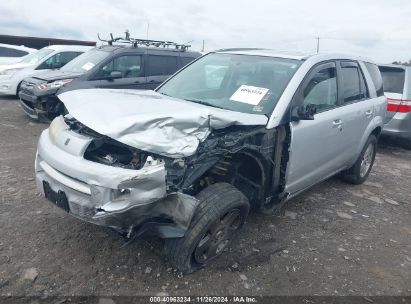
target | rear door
x=160, y=66
x=356, y=109
x=316, y=144
x=131, y=67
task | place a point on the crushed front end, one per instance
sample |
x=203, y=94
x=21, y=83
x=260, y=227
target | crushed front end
x=42, y=105
x=104, y=182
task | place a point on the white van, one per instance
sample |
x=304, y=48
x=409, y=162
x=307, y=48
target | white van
x=50, y=57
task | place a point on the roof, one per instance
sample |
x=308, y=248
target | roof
x=395, y=66
x=265, y=52
x=40, y=42
x=292, y=55
x=125, y=47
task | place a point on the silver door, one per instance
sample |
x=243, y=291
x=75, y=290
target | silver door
x=356, y=111
x=316, y=144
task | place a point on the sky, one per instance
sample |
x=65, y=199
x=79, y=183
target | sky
x=377, y=29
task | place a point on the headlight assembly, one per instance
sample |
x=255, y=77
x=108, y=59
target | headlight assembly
x=53, y=85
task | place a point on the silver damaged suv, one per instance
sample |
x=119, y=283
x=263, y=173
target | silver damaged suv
x=233, y=130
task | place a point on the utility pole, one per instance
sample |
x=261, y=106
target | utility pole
x=318, y=43
x=148, y=26
x=202, y=50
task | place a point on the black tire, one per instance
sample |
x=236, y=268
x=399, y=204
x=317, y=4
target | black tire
x=357, y=174
x=219, y=203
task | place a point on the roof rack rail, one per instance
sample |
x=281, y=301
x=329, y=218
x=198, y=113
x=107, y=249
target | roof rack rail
x=144, y=42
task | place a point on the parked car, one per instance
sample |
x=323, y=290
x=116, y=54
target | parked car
x=117, y=67
x=187, y=161
x=10, y=53
x=397, y=87
x=48, y=58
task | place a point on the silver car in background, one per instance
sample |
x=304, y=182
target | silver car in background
x=397, y=88
x=233, y=130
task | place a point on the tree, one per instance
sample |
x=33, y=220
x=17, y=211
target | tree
x=402, y=63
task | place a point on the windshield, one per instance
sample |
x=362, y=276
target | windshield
x=85, y=61
x=250, y=84
x=36, y=56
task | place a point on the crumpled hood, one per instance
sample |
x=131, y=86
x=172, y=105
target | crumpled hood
x=150, y=121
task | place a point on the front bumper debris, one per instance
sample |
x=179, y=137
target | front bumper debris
x=129, y=201
x=43, y=107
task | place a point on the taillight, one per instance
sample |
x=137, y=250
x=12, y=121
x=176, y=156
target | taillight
x=398, y=105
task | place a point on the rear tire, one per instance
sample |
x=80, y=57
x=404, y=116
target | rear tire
x=359, y=172
x=221, y=213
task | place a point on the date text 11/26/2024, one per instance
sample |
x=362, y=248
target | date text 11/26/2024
x=203, y=299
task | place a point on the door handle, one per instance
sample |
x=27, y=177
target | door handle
x=337, y=124
x=137, y=81
x=368, y=113
x=151, y=81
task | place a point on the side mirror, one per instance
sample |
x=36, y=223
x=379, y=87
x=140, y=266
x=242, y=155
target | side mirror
x=304, y=112
x=115, y=75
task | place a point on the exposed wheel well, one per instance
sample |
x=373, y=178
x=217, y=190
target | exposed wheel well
x=377, y=132
x=243, y=170
x=18, y=88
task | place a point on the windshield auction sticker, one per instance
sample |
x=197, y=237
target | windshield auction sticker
x=249, y=94
x=88, y=66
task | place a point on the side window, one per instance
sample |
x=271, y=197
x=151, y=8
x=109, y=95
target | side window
x=161, y=65
x=321, y=90
x=58, y=60
x=128, y=65
x=363, y=86
x=186, y=60
x=354, y=87
x=376, y=77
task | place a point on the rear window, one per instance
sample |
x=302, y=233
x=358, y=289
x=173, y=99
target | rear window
x=393, y=79
x=161, y=65
x=376, y=77
x=8, y=52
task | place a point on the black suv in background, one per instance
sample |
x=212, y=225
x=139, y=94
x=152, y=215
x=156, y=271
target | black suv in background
x=134, y=66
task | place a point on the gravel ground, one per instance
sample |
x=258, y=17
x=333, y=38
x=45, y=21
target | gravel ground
x=336, y=239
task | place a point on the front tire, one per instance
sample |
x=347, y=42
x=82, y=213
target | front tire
x=220, y=214
x=359, y=172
